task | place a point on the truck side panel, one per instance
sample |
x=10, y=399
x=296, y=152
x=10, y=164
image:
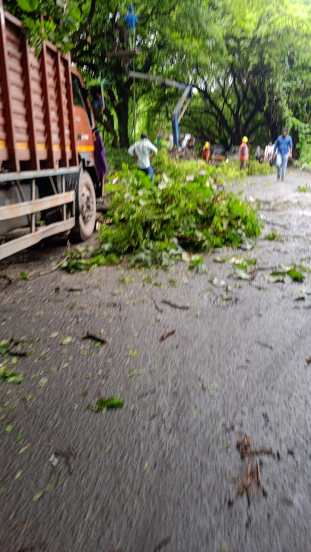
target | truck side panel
x=3, y=137
x=43, y=135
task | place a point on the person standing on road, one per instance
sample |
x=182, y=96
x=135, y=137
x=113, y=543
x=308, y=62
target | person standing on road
x=258, y=154
x=244, y=153
x=283, y=149
x=206, y=152
x=268, y=157
x=142, y=150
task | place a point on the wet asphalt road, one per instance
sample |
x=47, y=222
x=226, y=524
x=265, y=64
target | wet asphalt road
x=163, y=473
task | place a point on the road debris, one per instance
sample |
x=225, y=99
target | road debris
x=167, y=335
x=74, y=289
x=218, y=283
x=174, y=305
x=67, y=455
x=11, y=347
x=156, y=306
x=8, y=280
x=162, y=544
x=96, y=338
x=53, y=460
x=263, y=344
x=251, y=479
x=66, y=340
x=111, y=403
x=24, y=275
x=308, y=360
x=10, y=376
x=295, y=274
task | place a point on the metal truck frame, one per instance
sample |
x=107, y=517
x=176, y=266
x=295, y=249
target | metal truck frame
x=47, y=160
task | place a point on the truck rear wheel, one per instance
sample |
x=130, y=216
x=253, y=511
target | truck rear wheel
x=85, y=207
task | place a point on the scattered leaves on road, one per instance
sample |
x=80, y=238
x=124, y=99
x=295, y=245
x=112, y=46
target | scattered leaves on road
x=23, y=449
x=134, y=372
x=197, y=264
x=10, y=376
x=97, y=339
x=174, y=305
x=293, y=272
x=133, y=353
x=9, y=428
x=167, y=335
x=242, y=274
x=38, y=495
x=66, y=340
x=111, y=403
x=304, y=188
x=43, y=381
x=24, y=275
x=273, y=236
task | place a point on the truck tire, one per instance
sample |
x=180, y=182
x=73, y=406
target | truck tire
x=85, y=207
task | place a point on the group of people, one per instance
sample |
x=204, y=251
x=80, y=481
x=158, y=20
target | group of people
x=279, y=153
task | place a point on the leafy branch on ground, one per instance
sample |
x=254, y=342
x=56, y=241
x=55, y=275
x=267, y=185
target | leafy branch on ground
x=294, y=272
x=304, y=188
x=186, y=209
x=273, y=236
x=111, y=403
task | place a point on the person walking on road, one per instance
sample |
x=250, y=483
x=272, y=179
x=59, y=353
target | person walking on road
x=244, y=153
x=283, y=149
x=142, y=150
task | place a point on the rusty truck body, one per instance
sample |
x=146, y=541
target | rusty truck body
x=48, y=177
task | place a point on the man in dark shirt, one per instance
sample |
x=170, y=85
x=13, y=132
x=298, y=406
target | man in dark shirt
x=283, y=149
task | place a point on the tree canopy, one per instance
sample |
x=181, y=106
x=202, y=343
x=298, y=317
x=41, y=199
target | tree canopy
x=250, y=61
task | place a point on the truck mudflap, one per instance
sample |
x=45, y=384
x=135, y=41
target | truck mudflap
x=62, y=199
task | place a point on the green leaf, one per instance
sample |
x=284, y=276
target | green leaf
x=38, y=495
x=28, y=5
x=9, y=428
x=66, y=340
x=9, y=376
x=295, y=275
x=110, y=403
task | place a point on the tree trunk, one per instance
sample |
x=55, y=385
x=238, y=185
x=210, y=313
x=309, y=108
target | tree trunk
x=109, y=127
x=122, y=111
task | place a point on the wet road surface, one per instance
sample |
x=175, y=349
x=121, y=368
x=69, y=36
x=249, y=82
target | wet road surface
x=163, y=473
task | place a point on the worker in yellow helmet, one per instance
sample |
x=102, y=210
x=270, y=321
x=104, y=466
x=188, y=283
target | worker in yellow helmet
x=206, y=152
x=244, y=153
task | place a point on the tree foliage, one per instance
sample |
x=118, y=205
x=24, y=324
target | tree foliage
x=250, y=61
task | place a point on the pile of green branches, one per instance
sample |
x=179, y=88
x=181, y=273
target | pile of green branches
x=154, y=223
x=186, y=210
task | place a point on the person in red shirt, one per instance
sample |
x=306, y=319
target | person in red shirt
x=206, y=152
x=244, y=153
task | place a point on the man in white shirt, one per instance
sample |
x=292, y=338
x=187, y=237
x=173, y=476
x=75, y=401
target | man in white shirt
x=142, y=151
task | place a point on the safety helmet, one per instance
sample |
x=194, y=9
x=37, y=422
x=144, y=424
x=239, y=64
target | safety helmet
x=206, y=145
x=244, y=139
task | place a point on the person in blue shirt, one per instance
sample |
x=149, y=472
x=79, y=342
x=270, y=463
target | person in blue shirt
x=283, y=149
x=131, y=20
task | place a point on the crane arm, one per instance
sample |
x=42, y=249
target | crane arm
x=182, y=103
x=157, y=79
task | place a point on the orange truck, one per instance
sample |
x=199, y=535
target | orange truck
x=48, y=177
